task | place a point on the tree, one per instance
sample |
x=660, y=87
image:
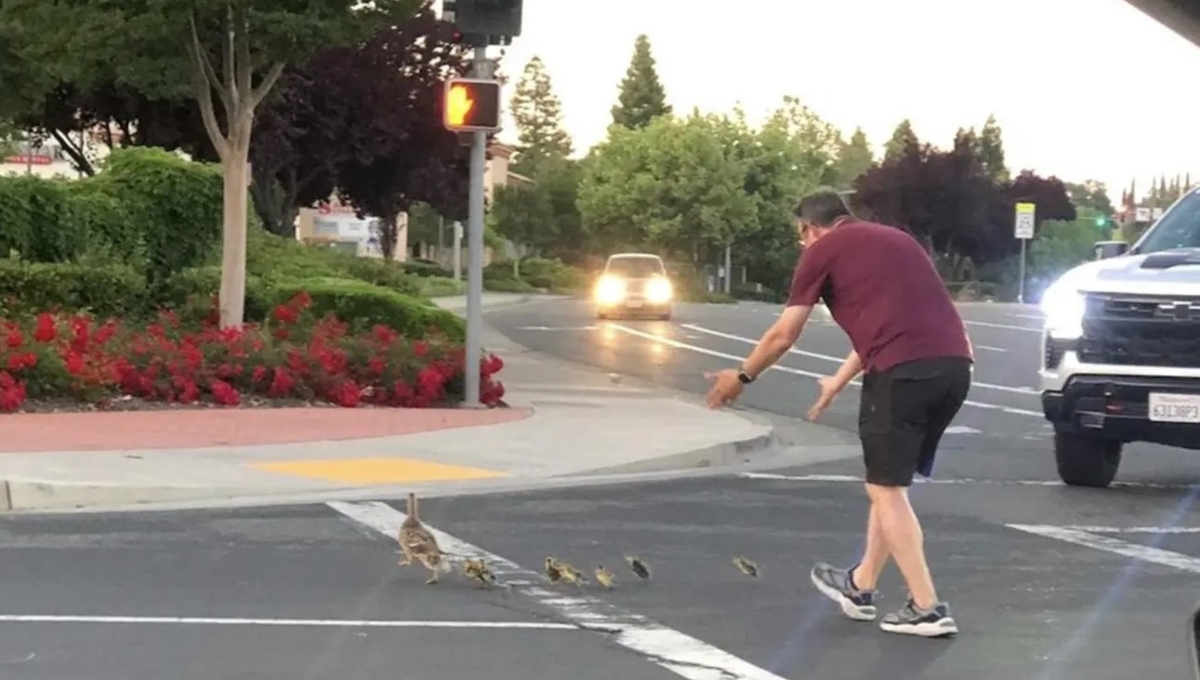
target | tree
x=537, y=112
x=642, y=97
x=235, y=50
x=675, y=185
x=853, y=158
x=792, y=154
x=1049, y=194
x=398, y=151
x=991, y=151
x=904, y=142
x=1090, y=195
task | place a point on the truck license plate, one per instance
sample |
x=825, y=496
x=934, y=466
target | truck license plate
x=1175, y=408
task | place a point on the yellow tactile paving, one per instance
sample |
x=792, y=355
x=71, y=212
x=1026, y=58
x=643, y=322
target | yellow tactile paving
x=377, y=470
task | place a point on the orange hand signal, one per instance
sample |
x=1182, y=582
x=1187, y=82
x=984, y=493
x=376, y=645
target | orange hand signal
x=459, y=105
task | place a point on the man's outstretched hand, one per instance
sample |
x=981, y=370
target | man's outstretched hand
x=828, y=391
x=725, y=387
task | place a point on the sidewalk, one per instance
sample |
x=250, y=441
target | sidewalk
x=564, y=422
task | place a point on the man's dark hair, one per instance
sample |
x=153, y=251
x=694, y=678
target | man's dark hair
x=821, y=207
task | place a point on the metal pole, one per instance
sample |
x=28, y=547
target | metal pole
x=457, y=256
x=1021, y=284
x=728, y=269
x=475, y=253
x=441, y=239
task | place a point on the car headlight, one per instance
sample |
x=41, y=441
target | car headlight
x=1064, y=306
x=610, y=290
x=659, y=291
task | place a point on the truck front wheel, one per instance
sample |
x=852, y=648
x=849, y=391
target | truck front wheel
x=1086, y=460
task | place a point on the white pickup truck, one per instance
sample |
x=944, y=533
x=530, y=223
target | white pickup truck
x=1121, y=349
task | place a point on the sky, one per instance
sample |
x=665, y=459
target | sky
x=1082, y=89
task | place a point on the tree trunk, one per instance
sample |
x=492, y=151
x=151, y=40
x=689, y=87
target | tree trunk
x=233, y=243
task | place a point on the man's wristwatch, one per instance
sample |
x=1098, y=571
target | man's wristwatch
x=744, y=377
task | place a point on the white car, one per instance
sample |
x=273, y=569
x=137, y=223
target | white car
x=1121, y=349
x=634, y=285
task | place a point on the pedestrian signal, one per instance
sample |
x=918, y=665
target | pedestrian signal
x=472, y=105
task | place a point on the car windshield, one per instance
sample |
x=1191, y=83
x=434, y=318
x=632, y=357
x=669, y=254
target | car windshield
x=635, y=267
x=1179, y=228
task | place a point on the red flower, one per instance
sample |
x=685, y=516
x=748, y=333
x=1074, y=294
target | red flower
x=492, y=365
x=282, y=384
x=431, y=382
x=224, y=393
x=285, y=314
x=347, y=394
x=15, y=338
x=420, y=348
x=75, y=364
x=12, y=394
x=18, y=362
x=46, y=330
x=383, y=335
x=259, y=374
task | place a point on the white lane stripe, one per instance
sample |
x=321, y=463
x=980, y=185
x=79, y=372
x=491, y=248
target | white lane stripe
x=1113, y=545
x=990, y=348
x=958, y=481
x=826, y=357
x=1135, y=530
x=681, y=654
x=795, y=371
x=296, y=623
x=988, y=324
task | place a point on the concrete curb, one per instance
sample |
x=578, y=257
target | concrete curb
x=34, y=496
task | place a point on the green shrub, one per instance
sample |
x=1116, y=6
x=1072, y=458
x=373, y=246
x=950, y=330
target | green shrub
x=274, y=257
x=508, y=286
x=362, y=306
x=111, y=235
x=192, y=291
x=552, y=274
x=750, y=291
x=28, y=288
x=37, y=221
x=436, y=286
x=426, y=268
x=175, y=204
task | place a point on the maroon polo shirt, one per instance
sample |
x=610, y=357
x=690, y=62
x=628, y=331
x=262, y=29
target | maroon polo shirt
x=882, y=288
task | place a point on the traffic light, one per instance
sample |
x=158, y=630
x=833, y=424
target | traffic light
x=497, y=19
x=471, y=105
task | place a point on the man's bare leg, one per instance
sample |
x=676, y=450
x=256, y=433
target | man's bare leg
x=865, y=575
x=905, y=542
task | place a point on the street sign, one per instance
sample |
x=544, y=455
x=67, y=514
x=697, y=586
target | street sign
x=1026, y=218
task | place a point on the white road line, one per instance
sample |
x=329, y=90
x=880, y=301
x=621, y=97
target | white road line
x=795, y=371
x=958, y=481
x=1113, y=545
x=1134, y=530
x=838, y=360
x=962, y=429
x=681, y=654
x=295, y=623
x=990, y=348
x=988, y=324
x=1035, y=317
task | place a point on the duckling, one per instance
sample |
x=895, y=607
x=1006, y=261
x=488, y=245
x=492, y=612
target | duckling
x=605, y=577
x=570, y=574
x=416, y=542
x=746, y=566
x=639, y=568
x=479, y=570
x=552, y=571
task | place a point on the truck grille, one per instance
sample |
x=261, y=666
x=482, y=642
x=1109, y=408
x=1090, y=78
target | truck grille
x=1141, y=331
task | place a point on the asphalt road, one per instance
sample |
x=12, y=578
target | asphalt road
x=1000, y=434
x=312, y=592
x=1047, y=582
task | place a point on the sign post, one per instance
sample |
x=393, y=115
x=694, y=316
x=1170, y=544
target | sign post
x=1026, y=218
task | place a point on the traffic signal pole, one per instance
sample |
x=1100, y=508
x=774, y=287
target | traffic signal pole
x=475, y=209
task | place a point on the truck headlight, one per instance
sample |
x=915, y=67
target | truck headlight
x=658, y=291
x=1064, y=306
x=610, y=290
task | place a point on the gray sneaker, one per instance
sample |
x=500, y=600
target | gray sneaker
x=912, y=620
x=836, y=584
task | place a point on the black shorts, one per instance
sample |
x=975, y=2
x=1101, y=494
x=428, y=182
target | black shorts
x=905, y=411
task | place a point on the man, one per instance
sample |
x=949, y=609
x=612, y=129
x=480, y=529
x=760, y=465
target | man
x=882, y=288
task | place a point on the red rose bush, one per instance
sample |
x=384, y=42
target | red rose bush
x=293, y=357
